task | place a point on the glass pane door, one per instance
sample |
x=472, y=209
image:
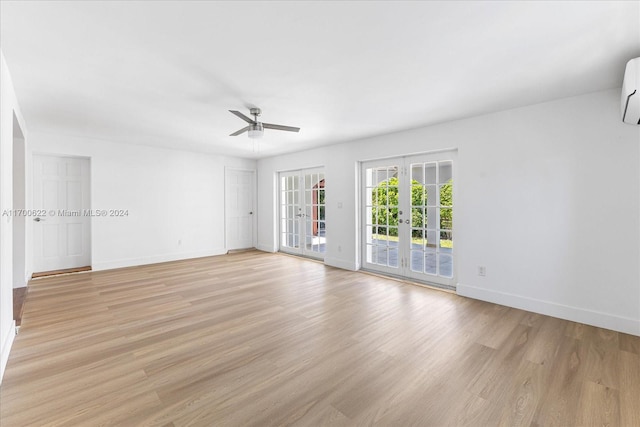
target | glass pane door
x=290, y=212
x=381, y=217
x=431, y=248
x=314, y=228
x=408, y=217
x=302, y=212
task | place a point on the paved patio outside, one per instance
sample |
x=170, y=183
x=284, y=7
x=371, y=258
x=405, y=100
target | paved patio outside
x=421, y=261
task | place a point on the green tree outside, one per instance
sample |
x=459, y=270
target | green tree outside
x=385, y=209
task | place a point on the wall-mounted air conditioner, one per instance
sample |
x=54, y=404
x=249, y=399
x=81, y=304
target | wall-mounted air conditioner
x=630, y=98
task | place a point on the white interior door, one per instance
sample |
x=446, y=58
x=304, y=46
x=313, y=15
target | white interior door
x=302, y=212
x=408, y=217
x=62, y=224
x=239, y=195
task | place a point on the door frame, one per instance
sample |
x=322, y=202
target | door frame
x=20, y=200
x=300, y=173
x=404, y=161
x=31, y=185
x=254, y=190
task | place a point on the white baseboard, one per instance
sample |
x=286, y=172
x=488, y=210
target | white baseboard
x=575, y=314
x=6, y=348
x=340, y=263
x=132, y=262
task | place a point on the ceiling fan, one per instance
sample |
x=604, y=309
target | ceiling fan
x=256, y=128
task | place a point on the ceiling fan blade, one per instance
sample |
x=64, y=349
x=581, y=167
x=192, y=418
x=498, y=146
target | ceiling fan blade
x=242, y=116
x=243, y=130
x=280, y=127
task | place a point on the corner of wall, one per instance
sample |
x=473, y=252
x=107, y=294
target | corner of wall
x=265, y=248
x=341, y=263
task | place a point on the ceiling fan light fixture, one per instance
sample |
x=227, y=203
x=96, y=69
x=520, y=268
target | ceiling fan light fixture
x=256, y=130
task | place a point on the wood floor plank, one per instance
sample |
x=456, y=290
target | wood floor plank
x=629, y=371
x=602, y=365
x=564, y=391
x=629, y=343
x=522, y=400
x=599, y=406
x=493, y=382
x=546, y=340
x=257, y=339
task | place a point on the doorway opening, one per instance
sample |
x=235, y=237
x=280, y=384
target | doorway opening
x=19, y=205
x=239, y=209
x=407, y=224
x=62, y=208
x=302, y=212
x=19, y=229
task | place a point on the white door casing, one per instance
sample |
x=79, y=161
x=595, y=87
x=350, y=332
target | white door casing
x=61, y=225
x=407, y=211
x=302, y=212
x=239, y=208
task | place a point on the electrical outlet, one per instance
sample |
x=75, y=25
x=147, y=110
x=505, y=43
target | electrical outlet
x=482, y=270
x=339, y=248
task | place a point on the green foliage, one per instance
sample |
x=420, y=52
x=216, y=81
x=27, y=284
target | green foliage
x=446, y=199
x=321, y=204
x=385, y=207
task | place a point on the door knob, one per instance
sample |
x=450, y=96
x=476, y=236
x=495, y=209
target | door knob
x=250, y=213
x=38, y=219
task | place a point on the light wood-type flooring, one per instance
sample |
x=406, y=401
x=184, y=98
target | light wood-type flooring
x=256, y=339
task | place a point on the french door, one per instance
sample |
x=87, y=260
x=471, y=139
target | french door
x=302, y=212
x=408, y=217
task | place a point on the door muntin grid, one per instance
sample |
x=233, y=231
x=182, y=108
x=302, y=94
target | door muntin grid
x=407, y=219
x=432, y=218
x=289, y=212
x=314, y=212
x=302, y=212
x=381, y=223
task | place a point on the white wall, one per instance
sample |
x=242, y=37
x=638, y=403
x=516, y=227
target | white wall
x=547, y=199
x=8, y=108
x=175, y=199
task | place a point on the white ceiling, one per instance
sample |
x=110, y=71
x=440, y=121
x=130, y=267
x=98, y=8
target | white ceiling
x=165, y=73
